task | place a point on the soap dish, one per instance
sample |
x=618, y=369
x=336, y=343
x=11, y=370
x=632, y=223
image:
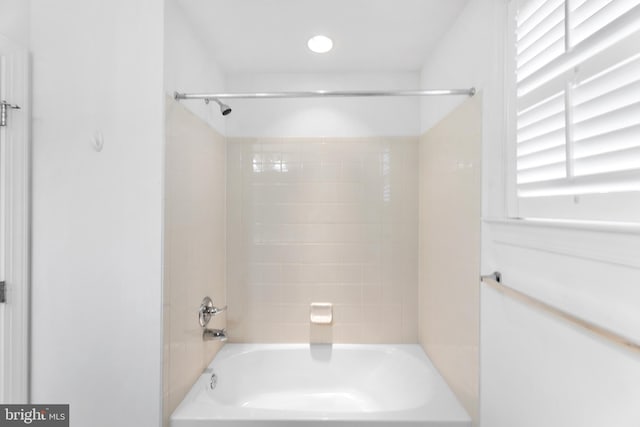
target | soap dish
x=321, y=313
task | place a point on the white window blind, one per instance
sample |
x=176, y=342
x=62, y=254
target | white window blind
x=578, y=109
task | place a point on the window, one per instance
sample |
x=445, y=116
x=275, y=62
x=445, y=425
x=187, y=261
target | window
x=577, y=109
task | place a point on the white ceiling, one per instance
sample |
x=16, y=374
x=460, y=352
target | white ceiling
x=271, y=35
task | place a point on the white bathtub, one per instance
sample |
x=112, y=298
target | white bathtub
x=342, y=385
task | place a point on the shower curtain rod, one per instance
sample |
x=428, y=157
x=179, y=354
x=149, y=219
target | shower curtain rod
x=324, y=94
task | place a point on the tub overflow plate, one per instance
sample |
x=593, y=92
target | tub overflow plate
x=214, y=381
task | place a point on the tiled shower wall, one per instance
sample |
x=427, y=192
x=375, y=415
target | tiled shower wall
x=323, y=220
x=194, y=247
x=450, y=213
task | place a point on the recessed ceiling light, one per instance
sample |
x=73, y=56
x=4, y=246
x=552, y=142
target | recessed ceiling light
x=320, y=44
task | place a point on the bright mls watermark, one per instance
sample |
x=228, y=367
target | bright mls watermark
x=34, y=415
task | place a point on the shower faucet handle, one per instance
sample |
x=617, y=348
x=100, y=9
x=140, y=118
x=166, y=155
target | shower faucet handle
x=207, y=310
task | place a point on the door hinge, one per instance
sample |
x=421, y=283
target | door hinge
x=4, y=107
x=3, y=295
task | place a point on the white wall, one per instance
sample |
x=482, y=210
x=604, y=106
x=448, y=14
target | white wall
x=189, y=66
x=97, y=216
x=342, y=117
x=541, y=371
x=14, y=20
x=536, y=370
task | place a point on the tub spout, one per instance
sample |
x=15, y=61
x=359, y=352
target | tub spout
x=214, y=334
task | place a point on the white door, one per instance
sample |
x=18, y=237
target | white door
x=15, y=196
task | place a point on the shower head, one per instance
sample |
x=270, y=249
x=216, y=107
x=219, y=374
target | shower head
x=225, y=110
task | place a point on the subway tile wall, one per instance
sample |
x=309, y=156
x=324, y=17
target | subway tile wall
x=323, y=220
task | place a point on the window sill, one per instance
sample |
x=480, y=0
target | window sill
x=590, y=226
x=602, y=242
